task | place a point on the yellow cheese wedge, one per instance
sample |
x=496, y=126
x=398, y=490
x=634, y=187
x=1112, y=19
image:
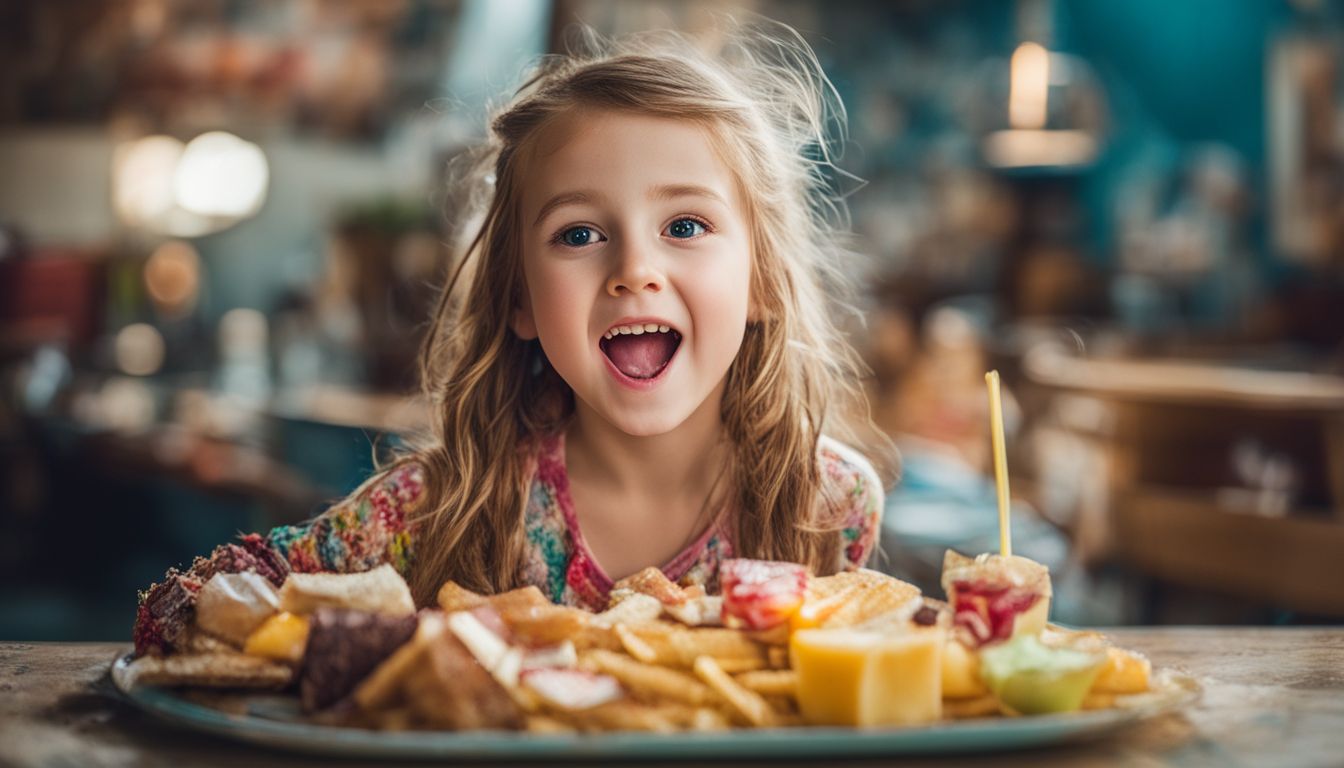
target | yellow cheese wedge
x=282, y=637
x=1123, y=672
x=858, y=678
x=961, y=672
x=1032, y=620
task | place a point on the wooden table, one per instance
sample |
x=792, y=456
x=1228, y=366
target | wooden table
x=1273, y=696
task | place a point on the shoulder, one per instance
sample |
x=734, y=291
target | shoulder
x=369, y=527
x=854, y=495
x=846, y=468
x=387, y=499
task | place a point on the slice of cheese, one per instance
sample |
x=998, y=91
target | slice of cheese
x=961, y=672
x=860, y=678
x=282, y=637
x=1032, y=620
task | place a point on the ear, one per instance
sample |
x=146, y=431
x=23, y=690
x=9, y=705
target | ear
x=524, y=325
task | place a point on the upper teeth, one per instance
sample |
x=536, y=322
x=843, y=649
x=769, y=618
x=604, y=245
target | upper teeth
x=636, y=330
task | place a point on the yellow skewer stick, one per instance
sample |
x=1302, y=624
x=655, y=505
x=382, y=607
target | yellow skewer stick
x=1000, y=462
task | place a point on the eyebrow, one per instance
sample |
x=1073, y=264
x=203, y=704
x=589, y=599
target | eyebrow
x=564, y=198
x=660, y=192
x=671, y=191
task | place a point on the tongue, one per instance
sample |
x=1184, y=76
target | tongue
x=643, y=356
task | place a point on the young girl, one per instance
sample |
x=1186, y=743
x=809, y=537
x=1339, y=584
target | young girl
x=635, y=360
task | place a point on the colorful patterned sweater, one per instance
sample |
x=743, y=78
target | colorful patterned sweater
x=372, y=527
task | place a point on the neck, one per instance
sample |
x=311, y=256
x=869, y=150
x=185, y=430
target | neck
x=682, y=462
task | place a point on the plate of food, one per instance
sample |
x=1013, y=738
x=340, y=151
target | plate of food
x=779, y=663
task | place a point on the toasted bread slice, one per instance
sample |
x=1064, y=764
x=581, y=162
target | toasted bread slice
x=381, y=590
x=821, y=587
x=455, y=597
x=542, y=625
x=652, y=582
x=698, y=611
x=634, y=609
x=225, y=669
x=522, y=597
x=849, y=599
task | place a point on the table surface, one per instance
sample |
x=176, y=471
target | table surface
x=1272, y=696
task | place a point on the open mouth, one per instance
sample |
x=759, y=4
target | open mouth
x=640, y=351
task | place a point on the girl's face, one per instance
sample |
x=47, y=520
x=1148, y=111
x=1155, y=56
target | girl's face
x=637, y=262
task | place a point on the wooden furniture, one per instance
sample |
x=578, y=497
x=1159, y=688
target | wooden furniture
x=1272, y=696
x=1174, y=444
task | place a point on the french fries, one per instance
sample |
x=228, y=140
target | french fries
x=770, y=682
x=650, y=682
x=746, y=705
x=658, y=659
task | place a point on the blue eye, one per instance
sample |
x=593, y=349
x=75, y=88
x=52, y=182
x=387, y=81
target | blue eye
x=578, y=236
x=683, y=229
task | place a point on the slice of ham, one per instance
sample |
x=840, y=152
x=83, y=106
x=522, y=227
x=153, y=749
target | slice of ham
x=988, y=610
x=572, y=689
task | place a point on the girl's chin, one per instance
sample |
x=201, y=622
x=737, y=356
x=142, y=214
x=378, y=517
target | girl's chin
x=646, y=425
x=653, y=417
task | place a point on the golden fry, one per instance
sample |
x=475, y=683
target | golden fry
x=770, y=682
x=634, y=645
x=738, y=666
x=651, y=683
x=708, y=719
x=723, y=645
x=674, y=645
x=747, y=705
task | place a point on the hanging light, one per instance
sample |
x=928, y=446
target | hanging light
x=1040, y=108
x=220, y=175
x=1052, y=116
x=142, y=179
x=165, y=187
x=173, y=277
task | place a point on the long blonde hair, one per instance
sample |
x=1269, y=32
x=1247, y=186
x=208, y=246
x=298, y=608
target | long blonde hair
x=774, y=117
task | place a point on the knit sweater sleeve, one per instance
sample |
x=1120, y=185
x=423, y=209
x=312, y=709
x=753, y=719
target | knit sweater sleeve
x=857, y=492
x=368, y=528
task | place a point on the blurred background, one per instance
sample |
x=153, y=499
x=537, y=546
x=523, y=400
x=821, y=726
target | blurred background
x=221, y=233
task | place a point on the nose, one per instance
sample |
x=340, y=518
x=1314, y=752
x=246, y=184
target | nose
x=633, y=272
